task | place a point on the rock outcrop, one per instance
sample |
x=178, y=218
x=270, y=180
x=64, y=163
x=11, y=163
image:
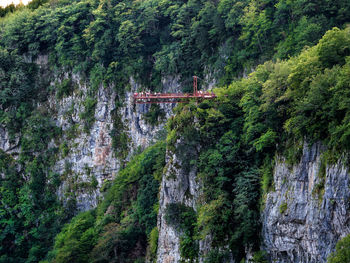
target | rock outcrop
x=179, y=185
x=308, y=212
x=86, y=157
x=91, y=159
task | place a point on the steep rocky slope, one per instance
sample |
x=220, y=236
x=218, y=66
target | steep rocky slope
x=308, y=211
x=304, y=217
x=78, y=180
x=178, y=186
x=87, y=158
x=91, y=153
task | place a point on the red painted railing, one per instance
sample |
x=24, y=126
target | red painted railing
x=148, y=97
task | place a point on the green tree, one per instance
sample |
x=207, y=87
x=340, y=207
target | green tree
x=342, y=251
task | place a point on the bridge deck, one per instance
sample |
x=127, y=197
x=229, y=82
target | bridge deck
x=146, y=97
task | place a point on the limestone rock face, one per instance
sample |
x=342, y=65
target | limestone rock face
x=91, y=159
x=7, y=144
x=178, y=185
x=86, y=157
x=309, y=210
x=141, y=132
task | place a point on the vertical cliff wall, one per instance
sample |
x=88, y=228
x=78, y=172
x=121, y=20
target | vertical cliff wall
x=178, y=186
x=309, y=209
x=86, y=157
x=91, y=159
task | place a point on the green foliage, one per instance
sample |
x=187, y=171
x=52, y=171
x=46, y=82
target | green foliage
x=154, y=115
x=342, y=251
x=122, y=222
x=267, y=175
x=180, y=216
x=181, y=127
x=64, y=149
x=65, y=88
x=246, y=210
x=232, y=142
x=120, y=137
x=260, y=257
x=9, y=9
x=149, y=39
x=327, y=158
x=34, y=4
x=153, y=244
x=293, y=151
x=268, y=139
x=76, y=239
x=88, y=115
x=283, y=207
x=333, y=48
x=213, y=219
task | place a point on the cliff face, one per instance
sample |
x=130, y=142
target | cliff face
x=91, y=155
x=86, y=158
x=181, y=186
x=308, y=212
x=304, y=217
x=178, y=186
x=141, y=132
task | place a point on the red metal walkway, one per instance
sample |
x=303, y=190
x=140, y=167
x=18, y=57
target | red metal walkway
x=147, y=97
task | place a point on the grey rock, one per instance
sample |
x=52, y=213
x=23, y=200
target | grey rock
x=178, y=186
x=313, y=221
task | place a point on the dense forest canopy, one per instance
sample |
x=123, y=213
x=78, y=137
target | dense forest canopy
x=299, y=92
x=153, y=38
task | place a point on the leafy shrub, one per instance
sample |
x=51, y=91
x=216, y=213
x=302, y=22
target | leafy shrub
x=283, y=207
x=64, y=149
x=260, y=257
x=154, y=115
x=120, y=137
x=342, y=251
x=153, y=243
x=65, y=88
x=267, y=175
x=88, y=115
x=76, y=239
